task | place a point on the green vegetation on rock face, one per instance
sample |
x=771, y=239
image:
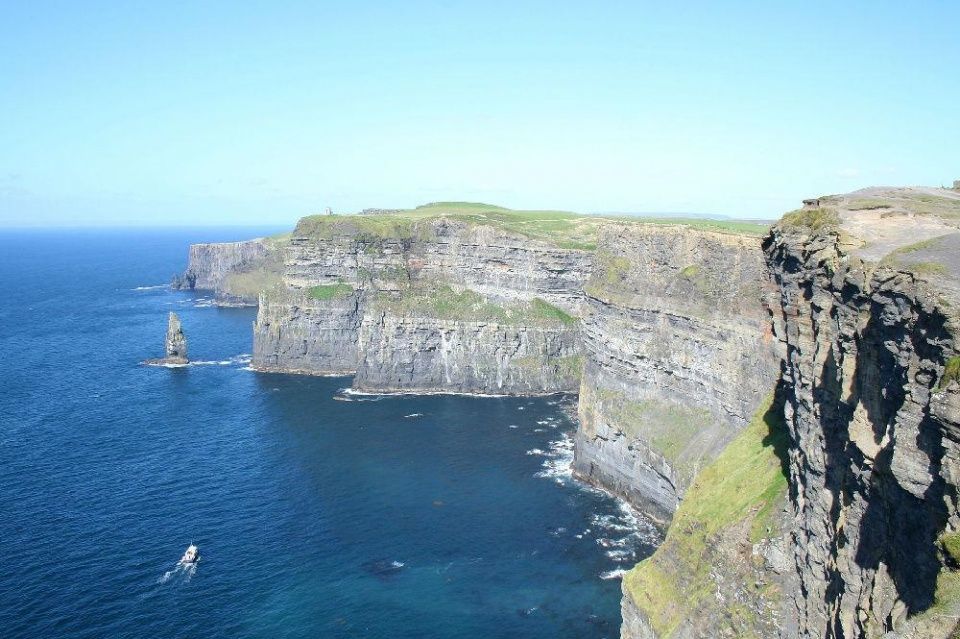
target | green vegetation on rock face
x=951, y=373
x=266, y=276
x=680, y=434
x=330, y=291
x=734, y=500
x=442, y=302
x=550, y=313
x=940, y=619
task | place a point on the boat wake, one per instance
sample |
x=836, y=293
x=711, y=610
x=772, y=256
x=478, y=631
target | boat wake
x=180, y=573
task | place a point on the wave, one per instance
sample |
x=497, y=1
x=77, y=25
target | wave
x=559, y=463
x=243, y=360
x=616, y=573
x=149, y=288
x=401, y=393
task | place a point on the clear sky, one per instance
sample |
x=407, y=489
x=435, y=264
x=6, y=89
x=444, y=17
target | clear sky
x=259, y=112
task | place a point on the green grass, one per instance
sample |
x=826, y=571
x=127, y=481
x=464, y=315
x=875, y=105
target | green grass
x=441, y=301
x=550, y=313
x=563, y=229
x=691, y=271
x=249, y=284
x=904, y=258
x=744, y=487
x=364, y=228
x=869, y=205
x=926, y=268
x=266, y=274
x=816, y=219
x=951, y=372
x=330, y=291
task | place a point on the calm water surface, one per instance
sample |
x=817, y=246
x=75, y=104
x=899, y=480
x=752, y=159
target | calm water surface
x=433, y=516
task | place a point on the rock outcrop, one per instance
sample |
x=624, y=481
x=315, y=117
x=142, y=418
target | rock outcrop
x=295, y=333
x=428, y=354
x=175, y=345
x=868, y=322
x=855, y=535
x=235, y=271
x=431, y=304
x=678, y=355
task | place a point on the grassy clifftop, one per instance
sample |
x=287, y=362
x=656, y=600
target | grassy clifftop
x=563, y=229
x=732, y=505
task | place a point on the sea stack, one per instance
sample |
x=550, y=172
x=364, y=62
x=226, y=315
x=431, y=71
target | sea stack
x=176, y=342
x=175, y=345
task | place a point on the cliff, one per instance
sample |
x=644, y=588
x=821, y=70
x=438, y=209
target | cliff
x=235, y=271
x=678, y=355
x=791, y=401
x=846, y=527
x=449, y=297
x=414, y=343
x=868, y=320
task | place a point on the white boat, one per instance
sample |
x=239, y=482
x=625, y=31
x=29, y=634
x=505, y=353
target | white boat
x=191, y=556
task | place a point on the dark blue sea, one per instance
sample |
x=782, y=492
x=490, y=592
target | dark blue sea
x=317, y=513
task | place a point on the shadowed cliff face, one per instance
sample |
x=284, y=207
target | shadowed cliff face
x=678, y=357
x=874, y=465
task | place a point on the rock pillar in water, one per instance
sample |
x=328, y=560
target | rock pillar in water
x=176, y=342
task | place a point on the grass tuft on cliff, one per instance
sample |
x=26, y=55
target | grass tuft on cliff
x=951, y=373
x=329, y=291
x=734, y=500
x=815, y=219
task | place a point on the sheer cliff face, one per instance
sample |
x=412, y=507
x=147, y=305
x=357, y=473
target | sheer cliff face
x=295, y=334
x=413, y=353
x=236, y=272
x=867, y=319
x=495, y=263
x=678, y=355
x=477, y=323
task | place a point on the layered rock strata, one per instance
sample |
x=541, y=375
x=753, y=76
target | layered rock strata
x=478, y=324
x=868, y=540
x=174, y=343
x=427, y=354
x=678, y=355
x=868, y=321
x=235, y=271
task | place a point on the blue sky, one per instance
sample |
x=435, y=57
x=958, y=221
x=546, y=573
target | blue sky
x=258, y=113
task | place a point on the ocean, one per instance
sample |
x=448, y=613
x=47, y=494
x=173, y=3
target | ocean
x=317, y=513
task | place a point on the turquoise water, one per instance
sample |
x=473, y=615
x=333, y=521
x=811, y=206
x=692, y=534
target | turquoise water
x=317, y=513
